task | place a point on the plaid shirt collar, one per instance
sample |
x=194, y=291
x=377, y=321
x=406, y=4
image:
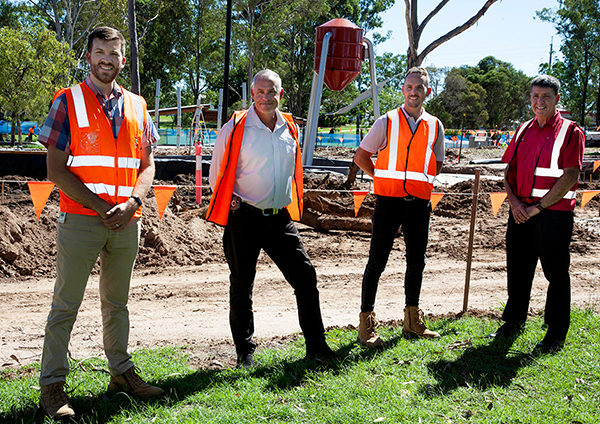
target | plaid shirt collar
x=115, y=93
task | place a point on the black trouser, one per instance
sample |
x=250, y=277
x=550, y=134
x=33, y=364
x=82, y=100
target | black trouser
x=545, y=236
x=246, y=232
x=390, y=213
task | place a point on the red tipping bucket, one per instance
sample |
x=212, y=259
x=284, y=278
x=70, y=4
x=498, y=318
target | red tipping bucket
x=346, y=52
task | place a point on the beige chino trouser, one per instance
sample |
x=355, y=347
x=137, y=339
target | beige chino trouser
x=81, y=239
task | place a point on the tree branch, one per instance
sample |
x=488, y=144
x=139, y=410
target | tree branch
x=431, y=15
x=409, y=28
x=456, y=31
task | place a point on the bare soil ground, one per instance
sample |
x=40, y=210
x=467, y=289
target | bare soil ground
x=179, y=293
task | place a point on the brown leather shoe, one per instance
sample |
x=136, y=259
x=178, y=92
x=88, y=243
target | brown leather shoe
x=54, y=401
x=130, y=382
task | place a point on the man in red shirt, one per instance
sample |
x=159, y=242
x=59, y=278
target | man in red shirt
x=544, y=160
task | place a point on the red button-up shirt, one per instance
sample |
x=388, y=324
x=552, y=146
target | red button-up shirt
x=535, y=147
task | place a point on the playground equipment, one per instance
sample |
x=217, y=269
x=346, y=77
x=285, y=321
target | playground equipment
x=342, y=45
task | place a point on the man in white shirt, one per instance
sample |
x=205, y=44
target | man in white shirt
x=256, y=177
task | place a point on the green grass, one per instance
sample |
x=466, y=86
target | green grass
x=462, y=377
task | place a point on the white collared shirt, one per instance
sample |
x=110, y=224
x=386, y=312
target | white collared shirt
x=266, y=164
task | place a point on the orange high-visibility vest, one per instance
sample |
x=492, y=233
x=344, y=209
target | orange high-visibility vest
x=406, y=166
x=108, y=167
x=220, y=201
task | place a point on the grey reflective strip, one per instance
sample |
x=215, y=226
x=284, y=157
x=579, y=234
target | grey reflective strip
x=95, y=160
x=554, y=170
x=431, y=133
x=132, y=163
x=522, y=128
x=80, y=110
x=139, y=111
x=101, y=188
x=125, y=191
x=391, y=171
x=541, y=192
x=401, y=175
x=394, y=118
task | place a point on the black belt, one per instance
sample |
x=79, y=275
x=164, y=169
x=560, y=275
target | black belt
x=265, y=212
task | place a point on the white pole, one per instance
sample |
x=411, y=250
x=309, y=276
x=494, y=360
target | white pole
x=178, y=115
x=243, y=95
x=220, y=109
x=156, y=101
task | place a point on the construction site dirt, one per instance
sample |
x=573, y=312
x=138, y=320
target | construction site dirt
x=179, y=292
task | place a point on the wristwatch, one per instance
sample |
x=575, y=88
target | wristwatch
x=137, y=199
x=538, y=205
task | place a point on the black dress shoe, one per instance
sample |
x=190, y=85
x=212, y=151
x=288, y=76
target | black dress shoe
x=323, y=352
x=549, y=346
x=245, y=360
x=508, y=329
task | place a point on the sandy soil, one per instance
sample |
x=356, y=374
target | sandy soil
x=179, y=293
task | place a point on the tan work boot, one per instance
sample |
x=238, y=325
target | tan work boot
x=366, y=330
x=132, y=383
x=413, y=324
x=54, y=401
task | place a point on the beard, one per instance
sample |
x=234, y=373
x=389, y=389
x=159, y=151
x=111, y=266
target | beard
x=105, y=76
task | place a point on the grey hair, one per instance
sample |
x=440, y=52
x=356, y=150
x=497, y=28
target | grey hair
x=546, y=81
x=419, y=71
x=270, y=75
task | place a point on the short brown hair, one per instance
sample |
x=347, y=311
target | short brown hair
x=107, y=34
x=419, y=71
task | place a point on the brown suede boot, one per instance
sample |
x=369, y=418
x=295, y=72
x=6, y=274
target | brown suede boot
x=366, y=330
x=132, y=383
x=54, y=401
x=413, y=324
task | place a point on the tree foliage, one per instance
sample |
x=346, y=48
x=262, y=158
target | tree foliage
x=34, y=65
x=577, y=22
x=492, y=94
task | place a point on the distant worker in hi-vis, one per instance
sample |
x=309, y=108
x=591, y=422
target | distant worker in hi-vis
x=410, y=147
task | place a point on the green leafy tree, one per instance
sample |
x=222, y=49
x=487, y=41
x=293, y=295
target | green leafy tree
x=183, y=44
x=507, y=91
x=460, y=99
x=577, y=22
x=34, y=66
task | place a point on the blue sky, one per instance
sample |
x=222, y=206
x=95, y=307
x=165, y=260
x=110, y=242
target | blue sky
x=509, y=31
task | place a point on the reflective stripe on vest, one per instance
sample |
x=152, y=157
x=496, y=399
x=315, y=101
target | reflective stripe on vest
x=541, y=192
x=107, y=167
x=105, y=161
x=554, y=171
x=419, y=175
x=81, y=111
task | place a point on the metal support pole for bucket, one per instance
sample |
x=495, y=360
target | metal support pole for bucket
x=310, y=134
x=371, y=50
x=471, y=237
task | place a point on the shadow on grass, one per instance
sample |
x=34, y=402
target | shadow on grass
x=288, y=374
x=284, y=374
x=493, y=364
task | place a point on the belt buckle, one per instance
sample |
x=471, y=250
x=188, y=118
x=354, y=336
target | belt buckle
x=270, y=212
